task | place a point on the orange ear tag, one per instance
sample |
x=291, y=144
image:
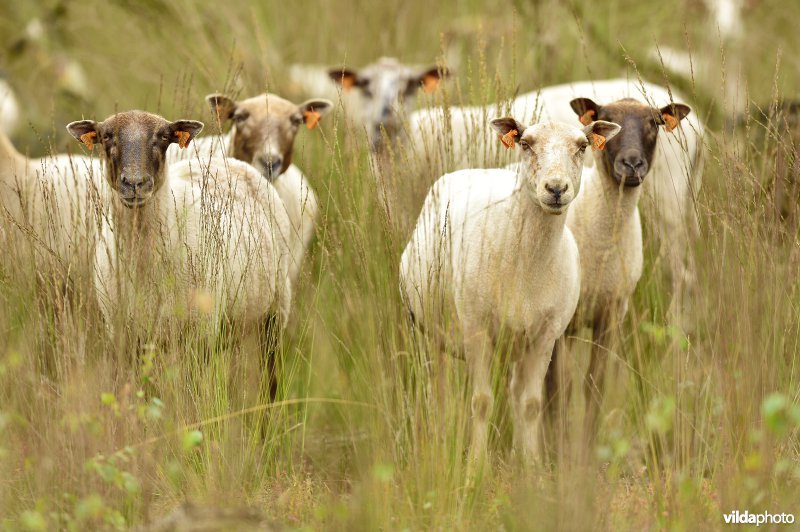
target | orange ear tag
x=183, y=138
x=312, y=118
x=86, y=138
x=598, y=142
x=508, y=139
x=587, y=117
x=430, y=83
x=348, y=82
x=670, y=120
x=219, y=113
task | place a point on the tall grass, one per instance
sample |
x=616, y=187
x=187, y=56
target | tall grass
x=365, y=433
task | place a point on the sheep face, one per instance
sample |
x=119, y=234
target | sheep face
x=133, y=145
x=629, y=156
x=387, y=88
x=265, y=126
x=553, y=156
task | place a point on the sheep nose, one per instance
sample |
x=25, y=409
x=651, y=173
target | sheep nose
x=556, y=189
x=635, y=163
x=271, y=165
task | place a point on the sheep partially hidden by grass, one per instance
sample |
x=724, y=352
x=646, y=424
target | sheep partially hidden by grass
x=263, y=134
x=453, y=137
x=493, y=245
x=604, y=220
x=174, y=243
x=48, y=203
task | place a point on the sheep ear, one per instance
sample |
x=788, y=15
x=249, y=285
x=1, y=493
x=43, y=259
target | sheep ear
x=183, y=131
x=508, y=129
x=344, y=77
x=85, y=131
x=600, y=132
x=313, y=111
x=428, y=80
x=586, y=109
x=221, y=106
x=672, y=114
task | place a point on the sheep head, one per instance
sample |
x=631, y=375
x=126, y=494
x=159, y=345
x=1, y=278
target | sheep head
x=386, y=88
x=629, y=156
x=133, y=145
x=553, y=156
x=265, y=126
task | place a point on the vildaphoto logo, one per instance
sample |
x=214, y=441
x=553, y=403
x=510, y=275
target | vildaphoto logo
x=764, y=518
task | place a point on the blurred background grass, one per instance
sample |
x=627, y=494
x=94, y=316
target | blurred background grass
x=93, y=435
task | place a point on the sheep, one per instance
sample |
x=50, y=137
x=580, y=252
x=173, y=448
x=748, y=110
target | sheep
x=263, y=134
x=604, y=219
x=386, y=89
x=668, y=195
x=48, y=202
x=493, y=245
x=218, y=240
x=9, y=108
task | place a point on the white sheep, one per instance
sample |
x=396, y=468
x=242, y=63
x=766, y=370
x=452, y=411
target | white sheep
x=457, y=139
x=172, y=243
x=493, y=246
x=379, y=96
x=263, y=134
x=48, y=202
x=604, y=219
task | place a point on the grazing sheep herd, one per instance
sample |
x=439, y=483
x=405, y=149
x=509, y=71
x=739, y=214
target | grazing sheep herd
x=221, y=224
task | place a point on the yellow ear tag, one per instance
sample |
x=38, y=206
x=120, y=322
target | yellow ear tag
x=670, y=120
x=430, y=83
x=183, y=138
x=508, y=139
x=587, y=117
x=312, y=118
x=598, y=142
x=86, y=138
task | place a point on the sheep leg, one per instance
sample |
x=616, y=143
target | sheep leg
x=269, y=348
x=558, y=386
x=594, y=382
x=477, y=347
x=527, y=387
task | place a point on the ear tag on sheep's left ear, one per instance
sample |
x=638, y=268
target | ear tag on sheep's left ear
x=430, y=83
x=312, y=118
x=508, y=139
x=183, y=138
x=348, y=82
x=670, y=121
x=598, y=142
x=88, y=139
x=219, y=113
x=587, y=117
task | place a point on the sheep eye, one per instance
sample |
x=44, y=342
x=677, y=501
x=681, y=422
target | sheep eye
x=165, y=137
x=106, y=137
x=524, y=145
x=240, y=117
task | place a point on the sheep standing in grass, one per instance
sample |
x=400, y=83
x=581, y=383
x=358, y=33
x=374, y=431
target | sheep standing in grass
x=604, y=220
x=386, y=89
x=48, y=202
x=493, y=245
x=173, y=242
x=381, y=95
x=453, y=138
x=263, y=134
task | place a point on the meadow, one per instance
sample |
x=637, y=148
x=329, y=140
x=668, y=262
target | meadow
x=366, y=432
